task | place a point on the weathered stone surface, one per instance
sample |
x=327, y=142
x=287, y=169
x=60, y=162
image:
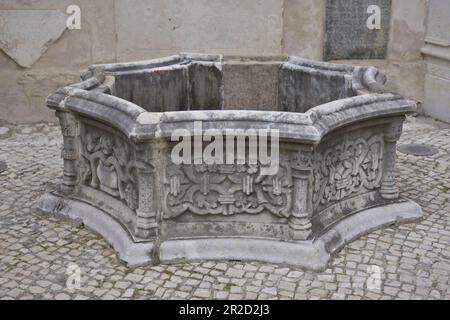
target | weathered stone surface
x=157, y=90
x=19, y=39
x=347, y=35
x=205, y=82
x=403, y=77
x=304, y=88
x=336, y=165
x=251, y=86
x=197, y=87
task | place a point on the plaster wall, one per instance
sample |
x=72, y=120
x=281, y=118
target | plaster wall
x=123, y=30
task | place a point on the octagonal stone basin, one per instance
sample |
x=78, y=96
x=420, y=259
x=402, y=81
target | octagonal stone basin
x=338, y=127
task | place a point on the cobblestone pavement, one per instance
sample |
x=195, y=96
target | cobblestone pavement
x=37, y=251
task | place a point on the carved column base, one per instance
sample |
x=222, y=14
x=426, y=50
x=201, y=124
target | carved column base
x=300, y=228
x=389, y=192
x=146, y=227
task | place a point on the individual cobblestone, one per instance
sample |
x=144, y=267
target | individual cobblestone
x=37, y=251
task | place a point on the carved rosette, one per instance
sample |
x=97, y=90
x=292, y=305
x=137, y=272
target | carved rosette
x=227, y=190
x=69, y=130
x=392, y=133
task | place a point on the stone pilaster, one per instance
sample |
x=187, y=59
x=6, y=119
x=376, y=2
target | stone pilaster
x=300, y=220
x=436, y=53
x=69, y=129
x=392, y=133
x=146, y=224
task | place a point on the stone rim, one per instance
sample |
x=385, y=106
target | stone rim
x=91, y=98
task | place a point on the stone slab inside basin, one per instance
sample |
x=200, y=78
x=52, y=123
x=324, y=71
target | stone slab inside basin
x=336, y=132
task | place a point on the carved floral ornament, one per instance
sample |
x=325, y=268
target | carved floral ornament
x=343, y=169
x=346, y=168
x=227, y=190
x=106, y=164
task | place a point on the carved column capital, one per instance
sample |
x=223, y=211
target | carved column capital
x=303, y=158
x=393, y=130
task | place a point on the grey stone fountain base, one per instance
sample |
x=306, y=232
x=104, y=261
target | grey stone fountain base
x=313, y=254
x=336, y=127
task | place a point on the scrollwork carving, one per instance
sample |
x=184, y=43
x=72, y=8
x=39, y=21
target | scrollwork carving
x=346, y=168
x=227, y=190
x=107, y=165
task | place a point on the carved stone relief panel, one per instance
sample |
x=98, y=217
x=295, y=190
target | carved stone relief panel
x=347, y=167
x=227, y=190
x=107, y=164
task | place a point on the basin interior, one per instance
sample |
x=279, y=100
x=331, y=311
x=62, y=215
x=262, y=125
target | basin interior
x=231, y=85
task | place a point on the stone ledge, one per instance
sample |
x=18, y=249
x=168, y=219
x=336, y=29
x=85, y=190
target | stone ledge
x=132, y=253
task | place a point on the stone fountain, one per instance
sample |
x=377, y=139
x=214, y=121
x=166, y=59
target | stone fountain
x=337, y=128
